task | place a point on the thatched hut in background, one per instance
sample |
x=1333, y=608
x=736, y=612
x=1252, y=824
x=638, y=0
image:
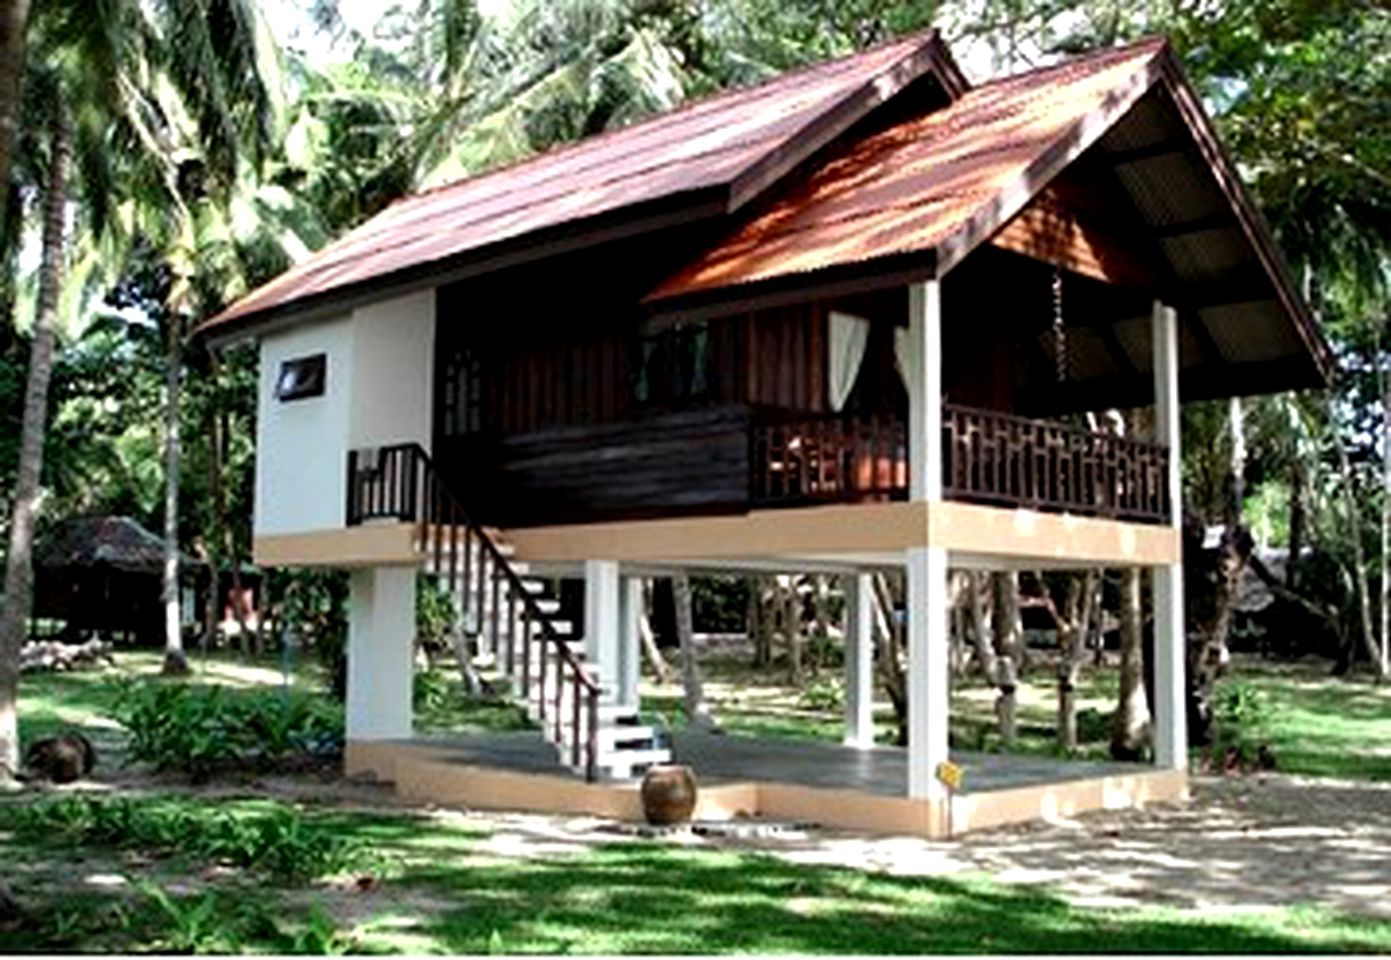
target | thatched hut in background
x=103, y=576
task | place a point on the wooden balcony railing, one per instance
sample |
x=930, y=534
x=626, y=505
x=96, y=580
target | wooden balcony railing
x=988, y=457
x=992, y=457
x=828, y=459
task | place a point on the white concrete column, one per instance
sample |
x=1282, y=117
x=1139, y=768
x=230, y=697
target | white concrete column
x=629, y=642
x=1170, y=639
x=859, y=661
x=381, y=648
x=924, y=381
x=929, y=683
x=601, y=621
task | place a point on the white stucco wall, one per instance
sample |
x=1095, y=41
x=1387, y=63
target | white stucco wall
x=393, y=369
x=301, y=446
x=378, y=390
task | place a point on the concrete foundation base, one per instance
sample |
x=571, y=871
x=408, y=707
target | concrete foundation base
x=444, y=774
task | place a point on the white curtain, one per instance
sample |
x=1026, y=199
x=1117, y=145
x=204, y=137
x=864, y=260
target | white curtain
x=901, y=353
x=848, y=336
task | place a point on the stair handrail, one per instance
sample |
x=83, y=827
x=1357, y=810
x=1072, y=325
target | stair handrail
x=403, y=503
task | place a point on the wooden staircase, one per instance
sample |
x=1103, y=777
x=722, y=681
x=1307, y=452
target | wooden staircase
x=512, y=619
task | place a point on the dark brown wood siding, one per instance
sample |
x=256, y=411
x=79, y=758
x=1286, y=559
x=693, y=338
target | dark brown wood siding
x=559, y=436
x=786, y=358
x=688, y=462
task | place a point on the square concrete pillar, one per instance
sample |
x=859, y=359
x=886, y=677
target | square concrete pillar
x=1170, y=630
x=629, y=640
x=929, y=682
x=859, y=660
x=381, y=653
x=923, y=378
x=601, y=620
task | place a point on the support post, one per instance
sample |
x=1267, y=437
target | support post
x=1170, y=632
x=629, y=640
x=859, y=661
x=601, y=619
x=381, y=648
x=924, y=379
x=929, y=681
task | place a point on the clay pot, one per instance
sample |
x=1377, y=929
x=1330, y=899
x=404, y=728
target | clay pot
x=668, y=794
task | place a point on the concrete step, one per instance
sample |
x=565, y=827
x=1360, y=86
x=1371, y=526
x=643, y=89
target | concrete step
x=623, y=738
x=628, y=764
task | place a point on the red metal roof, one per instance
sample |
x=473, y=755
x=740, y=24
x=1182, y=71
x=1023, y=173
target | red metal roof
x=938, y=183
x=729, y=143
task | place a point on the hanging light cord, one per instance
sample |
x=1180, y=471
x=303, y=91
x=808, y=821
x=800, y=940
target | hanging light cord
x=1059, y=330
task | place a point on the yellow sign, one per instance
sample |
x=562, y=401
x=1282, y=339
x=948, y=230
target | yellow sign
x=950, y=774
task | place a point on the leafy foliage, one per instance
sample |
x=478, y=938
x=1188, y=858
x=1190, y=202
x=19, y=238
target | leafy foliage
x=203, y=730
x=275, y=839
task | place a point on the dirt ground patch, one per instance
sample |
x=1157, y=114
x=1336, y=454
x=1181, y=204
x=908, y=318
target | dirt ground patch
x=1240, y=844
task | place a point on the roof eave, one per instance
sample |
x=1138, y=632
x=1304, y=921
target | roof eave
x=1252, y=221
x=840, y=280
x=224, y=331
x=1080, y=136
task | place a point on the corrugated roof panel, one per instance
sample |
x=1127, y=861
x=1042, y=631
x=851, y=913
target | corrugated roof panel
x=1133, y=333
x=922, y=182
x=1231, y=326
x=1197, y=257
x=709, y=144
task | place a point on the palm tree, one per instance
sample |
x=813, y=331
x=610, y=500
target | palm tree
x=18, y=568
x=177, y=90
x=14, y=17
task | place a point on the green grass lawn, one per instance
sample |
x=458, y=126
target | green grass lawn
x=434, y=889
x=193, y=872
x=1314, y=723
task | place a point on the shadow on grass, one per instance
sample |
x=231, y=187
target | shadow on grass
x=628, y=898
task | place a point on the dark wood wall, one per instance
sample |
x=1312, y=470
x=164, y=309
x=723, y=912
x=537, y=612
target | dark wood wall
x=786, y=358
x=655, y=464
x=558, y=433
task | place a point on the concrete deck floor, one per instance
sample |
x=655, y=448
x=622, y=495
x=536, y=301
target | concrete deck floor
x=725, y=758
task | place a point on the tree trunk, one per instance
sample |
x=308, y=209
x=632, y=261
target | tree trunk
x=14, y=19
x=175, y=660
x=821, y=612
x=892, y=661
x=1009, y=641
x=753, y=621
x=216, y=537
x=1210, y=606
x=1385, y=599
x=1349, y=490
x=982, y=630
x=1236, y=505
x=19, y=571
x=661, y=670
x=1299, y=483
x=1071, y=627
x=1130, y=728
x=792, y=630
x=697, y=710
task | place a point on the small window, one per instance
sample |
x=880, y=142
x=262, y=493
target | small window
x=674, y=366
x=300, y=378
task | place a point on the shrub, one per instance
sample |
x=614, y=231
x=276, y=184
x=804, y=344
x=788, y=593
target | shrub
x=823, y=694
x=277, y=840
x=1239, y=713
x=199, y=730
